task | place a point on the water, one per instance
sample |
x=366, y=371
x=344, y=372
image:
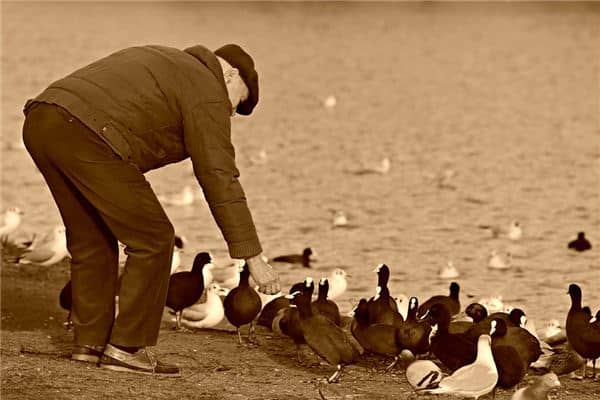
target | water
x=505, y=95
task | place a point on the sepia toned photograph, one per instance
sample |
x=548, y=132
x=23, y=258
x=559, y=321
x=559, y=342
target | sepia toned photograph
x=329, y=200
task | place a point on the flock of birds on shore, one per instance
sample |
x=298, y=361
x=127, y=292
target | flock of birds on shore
x=482, y=349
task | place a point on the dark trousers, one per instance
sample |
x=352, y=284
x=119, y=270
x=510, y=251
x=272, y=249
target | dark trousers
x=102, y=199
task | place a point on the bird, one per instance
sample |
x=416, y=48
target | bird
x=207, y=314
x=454, y=350
x=511, y=363
x=260, y=158
x=51, y=251
x=527, y=345
x=339, y=219
x=473, y=380
x=242, y=304
x=382, y=306
x=184, y=198
x=580, y=244
x=382, y=168
x=539, y=389
x=10, y=221
x=560, y=360
x=402, y=305
x=330, y=101
x=583, y=335
x=304, y=259
x=451, y=301
x=414, y=333
x=496, y=262
x=477, y=312
x=324, y=337
x=552, y=333
x=270, y=310
x=324, y=306
x=338, y=283
x=186, y=288
x=375, y=338
x=515, y=231
x=516, y=318
x=492, y=304
x=449, y=271
x=65, y=299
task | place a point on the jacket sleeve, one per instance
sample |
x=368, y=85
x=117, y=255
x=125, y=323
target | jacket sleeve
x=207, y=135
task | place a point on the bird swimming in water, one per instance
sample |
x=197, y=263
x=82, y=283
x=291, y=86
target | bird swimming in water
x=515, y=231
x=449, y=271
x=186, y=288
x=451, y=301
x=473, y=380
x=49, y=252
x=184, y=198
x=303, y=259
x=11, y=219
x=242, y=304
x=539, y=389
x=580, y=244
x=496, y=261
x=324, y=337
x=583, y=335
x=208, y=314
x=382, y=168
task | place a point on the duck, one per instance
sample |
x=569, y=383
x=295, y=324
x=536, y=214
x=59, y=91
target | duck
x=48, y=252
x=583, y=335
x=580, y=244
x=208, y=314
x=516, y=318
x=512, y=367
x=324, y=337
x=451, y=301
x=496, y=261
x=65, y=299
x=270, y=310
x=186, y=288
x=11, y=219
x=326, y=307
x=539, y=389
x=453, y=350
x=382, y=307
x=477, y=312
x=552, y=333
x=472, y=380
x=338, y=283
x=242, y=304
x=448, y=272
x=560, y=360
x=515, y=231
x=303, y=259
x=414, y=334
x=375, y=338
x=528, y=346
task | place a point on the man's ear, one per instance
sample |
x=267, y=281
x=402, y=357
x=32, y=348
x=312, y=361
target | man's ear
x=230, y=74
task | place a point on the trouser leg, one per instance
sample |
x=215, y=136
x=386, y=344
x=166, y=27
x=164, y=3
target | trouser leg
x=124, y=200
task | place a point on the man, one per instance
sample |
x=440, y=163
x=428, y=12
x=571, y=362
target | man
x=93, y=134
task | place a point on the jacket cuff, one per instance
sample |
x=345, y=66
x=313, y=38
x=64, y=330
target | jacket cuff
x=246, y=249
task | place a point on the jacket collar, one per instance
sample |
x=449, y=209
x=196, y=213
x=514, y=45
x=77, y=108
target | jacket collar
x=208, y=58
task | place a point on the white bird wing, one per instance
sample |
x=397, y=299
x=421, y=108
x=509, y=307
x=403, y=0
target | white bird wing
x=196, y=312
x=39, y=254
x=471, y=378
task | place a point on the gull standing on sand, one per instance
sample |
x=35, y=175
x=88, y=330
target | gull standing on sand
x=337, y=283
x=473, y=380
x=207, y=314
x=49, y=252
x=10, y=221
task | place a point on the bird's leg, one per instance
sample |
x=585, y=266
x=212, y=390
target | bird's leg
x=239, y=335
x=252, y=334
x=494, y=393
x=69, y=322
x=298, y=354
x=594, y=369
x=392, y=365
x=336, y=375
x=178, y=320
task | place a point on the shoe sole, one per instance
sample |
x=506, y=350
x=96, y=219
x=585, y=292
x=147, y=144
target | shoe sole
x=85, y=358
x=138, y=371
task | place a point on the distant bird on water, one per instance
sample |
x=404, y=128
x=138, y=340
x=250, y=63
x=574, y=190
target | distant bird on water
x=303, y=259
x=449, y=271
x=496, y=261
x=186, y=288
x=11, y=219
x=382, y=168
x=184, y=198
x=242, y=304
x=513, y=232
x=580, y=244
x=539, y=389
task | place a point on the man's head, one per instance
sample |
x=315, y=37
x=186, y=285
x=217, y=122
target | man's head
x=240, y=76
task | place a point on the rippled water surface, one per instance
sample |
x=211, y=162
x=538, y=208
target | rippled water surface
x=504, y=95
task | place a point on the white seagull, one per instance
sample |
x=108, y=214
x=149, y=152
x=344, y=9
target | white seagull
x=207, y=314
x=11, y=219
x=496, y=261
x=184, y=198
x=49, y=252
x=337, y=283
x=449, y=271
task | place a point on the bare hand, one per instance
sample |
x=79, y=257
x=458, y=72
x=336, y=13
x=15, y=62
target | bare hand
x=264, y=275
